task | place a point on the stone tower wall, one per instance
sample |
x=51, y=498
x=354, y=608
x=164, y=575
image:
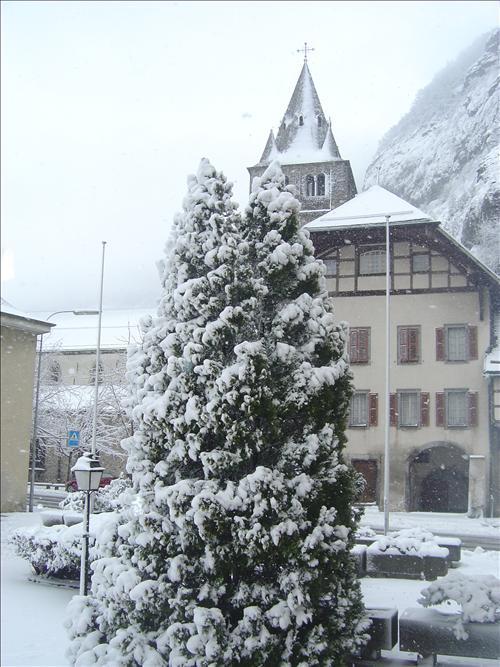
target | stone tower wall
x=339, y=185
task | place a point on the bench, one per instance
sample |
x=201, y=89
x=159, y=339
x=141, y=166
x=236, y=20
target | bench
x=429, y=633
x=383, y=634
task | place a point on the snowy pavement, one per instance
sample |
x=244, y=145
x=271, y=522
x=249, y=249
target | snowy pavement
x=32, y=614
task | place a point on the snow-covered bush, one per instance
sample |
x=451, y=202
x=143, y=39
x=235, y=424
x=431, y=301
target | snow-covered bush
x=410, y=541
x=239, y=395
x=478, y=597
x=365, y=531
x=56, y=550
x=109, y=498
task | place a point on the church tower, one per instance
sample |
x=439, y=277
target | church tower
x=308, y=154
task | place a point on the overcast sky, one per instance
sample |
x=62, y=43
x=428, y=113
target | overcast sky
x=106, y=107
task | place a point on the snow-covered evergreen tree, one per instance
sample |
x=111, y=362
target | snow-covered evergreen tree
x=240, y=554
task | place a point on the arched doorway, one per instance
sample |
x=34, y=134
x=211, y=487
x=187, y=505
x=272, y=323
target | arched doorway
x=439, y=479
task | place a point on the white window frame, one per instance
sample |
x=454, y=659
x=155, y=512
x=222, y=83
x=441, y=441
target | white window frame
x=363, y=417
x=464, y=421
x=403, y=420
x=447, y=329
x=418, y=257
x=328, y=262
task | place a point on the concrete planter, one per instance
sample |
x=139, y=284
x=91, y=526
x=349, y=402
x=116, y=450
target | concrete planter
x=405, y=566
x=358, y=553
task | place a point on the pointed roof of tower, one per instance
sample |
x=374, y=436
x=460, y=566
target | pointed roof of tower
x=304, y=134
x=330, y=148
x=270, y=151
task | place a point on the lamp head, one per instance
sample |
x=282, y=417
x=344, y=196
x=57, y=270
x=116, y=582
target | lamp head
x=88, y=472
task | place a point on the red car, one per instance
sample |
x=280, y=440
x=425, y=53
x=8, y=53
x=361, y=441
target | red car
x=106, y=479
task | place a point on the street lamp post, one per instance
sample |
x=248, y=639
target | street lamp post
x=88, y=473
x=37, y=399
x=387, y=374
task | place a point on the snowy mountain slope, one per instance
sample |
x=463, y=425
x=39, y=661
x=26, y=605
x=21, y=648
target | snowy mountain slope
x=443, y=156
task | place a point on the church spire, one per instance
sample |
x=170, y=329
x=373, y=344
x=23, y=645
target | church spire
x=304, y=125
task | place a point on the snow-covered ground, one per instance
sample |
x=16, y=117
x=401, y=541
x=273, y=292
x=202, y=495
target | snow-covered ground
x=32, y=614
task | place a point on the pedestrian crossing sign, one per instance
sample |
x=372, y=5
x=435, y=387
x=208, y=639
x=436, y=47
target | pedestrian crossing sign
x=73, y=438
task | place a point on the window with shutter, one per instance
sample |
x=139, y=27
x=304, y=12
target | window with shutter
x=358, y=410
x=457, y=408
x=440, y=344
x=473, y=399
x=393, y=410
x=440, y=409
x=472, y=342
x=425, y=400
x=359, y=345
x=408, y=345
x=456, y=342
x=409, y=408
x=373, y=408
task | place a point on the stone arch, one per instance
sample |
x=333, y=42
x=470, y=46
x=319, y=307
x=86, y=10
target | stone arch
x=438, y=478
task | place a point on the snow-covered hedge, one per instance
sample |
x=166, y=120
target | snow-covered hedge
x=411, y=541
x=108, y=499
x=56, y=550
x=478, y=596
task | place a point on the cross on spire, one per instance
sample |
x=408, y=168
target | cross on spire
x=305, y=50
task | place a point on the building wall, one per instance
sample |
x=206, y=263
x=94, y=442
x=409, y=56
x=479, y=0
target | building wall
x=429, y=311
x=17, y=373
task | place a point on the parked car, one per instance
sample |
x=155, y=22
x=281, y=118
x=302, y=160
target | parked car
x=106, y=479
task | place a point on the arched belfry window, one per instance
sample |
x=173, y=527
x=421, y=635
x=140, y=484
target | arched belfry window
x=54, y=374
x=100, y=375
x=310, y=186
x=301, y=120
x=320, y=185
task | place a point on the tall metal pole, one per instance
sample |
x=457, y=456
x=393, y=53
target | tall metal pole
x=387, y=374
x=85, y=546
x=98, y=357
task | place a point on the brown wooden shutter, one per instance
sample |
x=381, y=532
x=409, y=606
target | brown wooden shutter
x=403, y=345
x=373, y=408
x=353, y=345
x=440, y=408
x=363, y=345
x=425, y=399
x=440, y=344
x=472, y=342
x=393, y=410
x=413, y=344
x=472, y=408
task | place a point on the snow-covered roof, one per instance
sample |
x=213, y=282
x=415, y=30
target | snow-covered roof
x=369, y=208
x=17, y=319
x=119, y=328
x=304, y=134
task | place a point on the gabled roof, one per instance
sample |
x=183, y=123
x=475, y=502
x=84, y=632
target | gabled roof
x=13, y=318
x=369, y=208
x=304, y=134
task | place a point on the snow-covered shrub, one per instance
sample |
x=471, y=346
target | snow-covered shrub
x=56, y=550
x=109, y=498
x=50, y=549
x=239, y=394
x=365, y=531
x=478, y=597
x=410, y=541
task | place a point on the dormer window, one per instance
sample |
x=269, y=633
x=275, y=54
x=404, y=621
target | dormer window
x=301, y=120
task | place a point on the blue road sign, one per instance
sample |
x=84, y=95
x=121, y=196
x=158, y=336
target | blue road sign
x=73, y=438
